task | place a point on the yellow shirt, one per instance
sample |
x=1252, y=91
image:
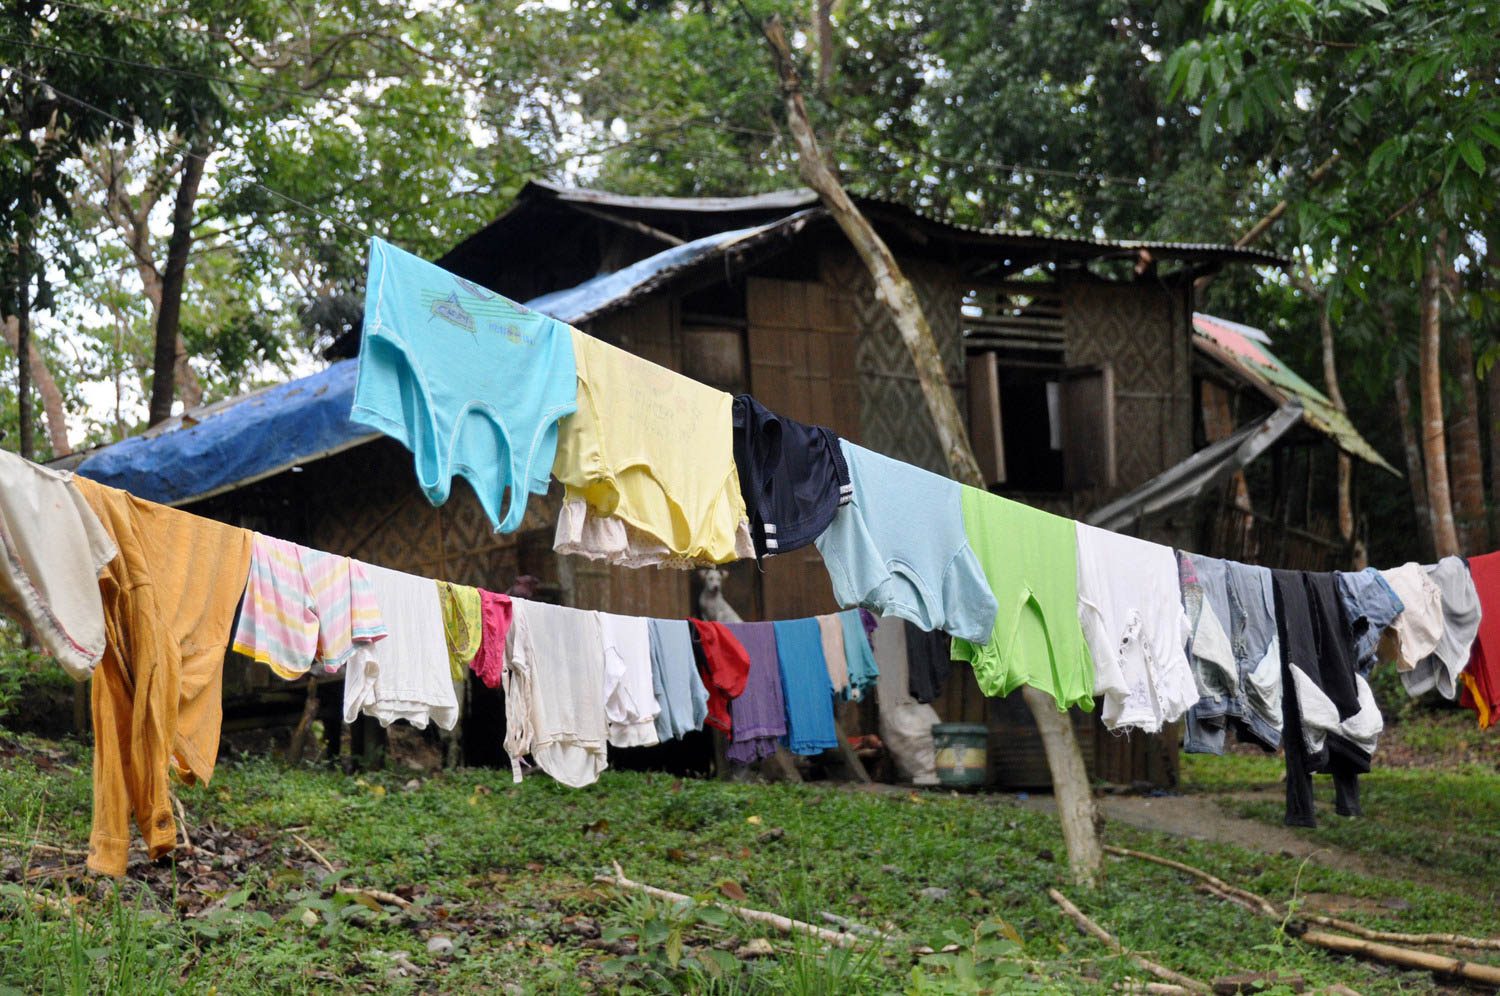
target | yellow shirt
x=169, y=598
x=653, y=449
x=461, y=624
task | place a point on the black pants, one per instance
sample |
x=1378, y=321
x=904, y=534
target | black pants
x=1315, y=639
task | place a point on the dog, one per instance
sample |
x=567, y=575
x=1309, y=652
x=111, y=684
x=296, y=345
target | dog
x=712, y=605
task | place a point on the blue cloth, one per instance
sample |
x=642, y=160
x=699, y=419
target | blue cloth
x=899, y=548
x=1371, y=605
x=857, y=655
x=805, y=687
x=674, y=678
x=470, y=382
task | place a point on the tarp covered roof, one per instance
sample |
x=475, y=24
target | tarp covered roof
x=218, y=447
x=1257, y=366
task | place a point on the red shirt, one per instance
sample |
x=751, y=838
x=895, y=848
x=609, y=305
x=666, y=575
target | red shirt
x=724, y=666
x=1481, y=679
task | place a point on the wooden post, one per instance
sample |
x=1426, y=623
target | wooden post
x=1070, y=785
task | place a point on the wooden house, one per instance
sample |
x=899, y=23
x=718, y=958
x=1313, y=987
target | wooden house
x=1077, y=359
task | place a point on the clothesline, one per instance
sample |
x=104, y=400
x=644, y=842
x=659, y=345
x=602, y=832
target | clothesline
x=661, y=470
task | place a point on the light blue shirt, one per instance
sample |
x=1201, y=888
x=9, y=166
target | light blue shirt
x=470, y=382
x=674, y=678
x=899, y=549
x=860, y=659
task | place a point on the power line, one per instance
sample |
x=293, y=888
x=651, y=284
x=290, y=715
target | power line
x=182, y=149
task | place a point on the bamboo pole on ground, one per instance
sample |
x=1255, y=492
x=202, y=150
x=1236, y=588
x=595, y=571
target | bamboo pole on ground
x=1070, y=783
x=1090, y=927
x=784, y=924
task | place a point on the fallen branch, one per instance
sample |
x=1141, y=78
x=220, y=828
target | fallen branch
x=34, y=845
x=1093, y=929
x=314, y=852
x=1255, y=903
x=782, y=923
x=187, y=842
x=852, y=926
x=1442, y=964
x=1158, y=988
x=379, y=895
x=1263, y=904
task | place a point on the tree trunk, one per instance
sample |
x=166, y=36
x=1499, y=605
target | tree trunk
x=1075, y=801
x=1492, y=406
x=823, y=28
x=1466, y=457
x=27, y=447
x=1416, y=477
x=46, y=386
x=1434, y=441
x=166, y=360
x=1336, y=395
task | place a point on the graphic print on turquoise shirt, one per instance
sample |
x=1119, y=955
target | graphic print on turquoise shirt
x=469, y=381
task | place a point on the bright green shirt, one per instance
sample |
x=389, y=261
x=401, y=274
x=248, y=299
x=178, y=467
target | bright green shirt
x=1030, y=558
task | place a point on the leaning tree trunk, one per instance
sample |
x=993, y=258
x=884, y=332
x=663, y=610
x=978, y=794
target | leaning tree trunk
x=1416, y=476
x=1466, y=456
x=1070, y=784
x=46, y=386
x=1434, y=443
x=166, y=359
x=27, y=446
x=1345, y=464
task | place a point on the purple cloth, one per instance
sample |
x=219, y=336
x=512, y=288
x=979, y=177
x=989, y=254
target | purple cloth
x=870, y=622
x=759, y=714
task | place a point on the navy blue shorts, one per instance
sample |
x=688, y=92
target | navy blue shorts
x=792, y=475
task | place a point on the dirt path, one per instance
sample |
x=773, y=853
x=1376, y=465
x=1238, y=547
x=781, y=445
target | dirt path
x=1203, y=818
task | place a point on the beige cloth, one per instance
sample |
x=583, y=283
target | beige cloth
x=1419, y=627
x=53, y=550
x=831, y=630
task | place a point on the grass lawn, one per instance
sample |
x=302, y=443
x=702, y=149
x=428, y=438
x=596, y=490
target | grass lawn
x=499, y=878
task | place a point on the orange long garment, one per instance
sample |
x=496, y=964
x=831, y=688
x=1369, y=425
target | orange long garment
x=169, y=600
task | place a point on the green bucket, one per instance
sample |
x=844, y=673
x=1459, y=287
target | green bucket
x=962, y=760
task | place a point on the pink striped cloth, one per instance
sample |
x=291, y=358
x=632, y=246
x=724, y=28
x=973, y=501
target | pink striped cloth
x=304, y=606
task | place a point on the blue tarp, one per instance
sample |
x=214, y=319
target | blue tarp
x=260, y=434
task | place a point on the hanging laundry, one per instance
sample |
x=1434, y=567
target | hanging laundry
x=1237, y=615
x=1461, y=619
x=929, y=659
x=55, y=549
x=878, y=557
x=681, y=698
x=1371, y=605
x=859, y=655
x=554, y=693
x=495, y=615
x=463, y=624
x=760, y=711
x=1205, y=596
x=724, y=665
x=1030, y=559
x=648, y=466
x=470, y=382
x=304, y=607
x=407, y=675
x=793, y=477
x=629, y=698
x=831, y=634
x=169, y=601
x=1330, y=720
x=1419, y=626
x=805, y=687
x=905, y=724
x=1481, y=679
x=1130, y=607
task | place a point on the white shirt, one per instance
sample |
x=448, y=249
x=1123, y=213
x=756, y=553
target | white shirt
x=52, y=548
x=1130, y=605
x=629, y=696
x=1419, y=627
x=406, y=675
x=554, y=692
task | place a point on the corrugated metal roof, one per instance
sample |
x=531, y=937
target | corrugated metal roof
x=1258, y=366
x=802, y=197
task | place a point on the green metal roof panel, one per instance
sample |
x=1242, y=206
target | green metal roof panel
x=1226, y=342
